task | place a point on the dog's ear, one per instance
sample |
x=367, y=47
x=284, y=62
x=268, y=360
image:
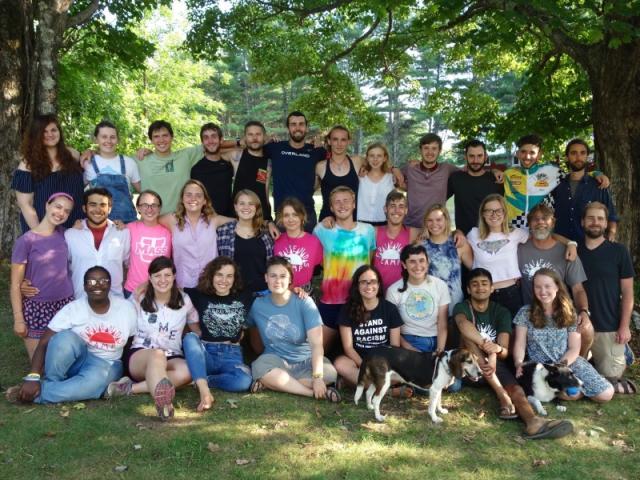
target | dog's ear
x=455, y=363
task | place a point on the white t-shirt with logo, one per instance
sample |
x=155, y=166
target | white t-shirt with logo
x=105, y=334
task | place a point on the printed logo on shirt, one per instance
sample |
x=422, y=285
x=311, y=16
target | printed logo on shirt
x=224, y=320
x=280, y=328
x=492, y=246
x=168, y=167
x=530, y=268
x=419, y=305
x=487, y=332
x=371, y=334
x=389, y=253
x=541, y=180
x=103, y=337
x=297, y=256
x=261, y=175
x=148, y=248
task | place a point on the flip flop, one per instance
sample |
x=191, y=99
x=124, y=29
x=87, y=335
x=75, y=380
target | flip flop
x=256, y=387
x=552, y=429
x=628, y=387
x=507, y=413
x=332, y=395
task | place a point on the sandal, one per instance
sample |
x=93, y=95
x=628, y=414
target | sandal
x=403, y=391
x=551, y=429
x=256, y=387
x=507, y=413
x=623, y=386
x=163, y=397
x=332, y=395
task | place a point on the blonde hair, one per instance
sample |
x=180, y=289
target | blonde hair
x=341, y=189
x=386, y=166
x=438, y=207
x=258, y=219
x=482, y=223
x=207, y=212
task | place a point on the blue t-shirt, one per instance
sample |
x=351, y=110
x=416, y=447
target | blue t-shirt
x=293, y=171
x=283, y=328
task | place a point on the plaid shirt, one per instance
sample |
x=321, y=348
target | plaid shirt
x=227, y=235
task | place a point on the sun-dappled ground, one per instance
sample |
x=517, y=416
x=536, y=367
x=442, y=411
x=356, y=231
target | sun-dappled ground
x=271, y=435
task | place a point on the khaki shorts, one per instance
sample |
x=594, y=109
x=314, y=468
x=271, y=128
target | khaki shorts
x=608, y=355
x=301, y=370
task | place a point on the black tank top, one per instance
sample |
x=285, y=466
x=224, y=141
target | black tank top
x=331, y=181
x=252, y=175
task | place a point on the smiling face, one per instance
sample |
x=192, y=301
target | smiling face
x=396, y=211
x=342, y=205
x=480, y=288
x=162, y=139
x=97, y=209
x=429, y=153
x=417, y=267
x=211, y=141
x=107, y=140
x=528, y=154
x=97, y=285
x=594, y=223
x=545, y=289
x=291, y=220
x=223, y=280
x=376, y=158
x=493, y=214
x=149, y=208
x=51, y=135
x=541, y=226
x=162, y=280
x=58, y=210
x=278, y=279
x=436, y=223
x=368, y=285
x=245, y=207
x=193, y=198
x=297, y=127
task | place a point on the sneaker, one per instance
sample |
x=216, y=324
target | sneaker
x=163, y=398
x=121, y=388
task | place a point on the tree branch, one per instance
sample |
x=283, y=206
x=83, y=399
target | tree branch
x=84, y=16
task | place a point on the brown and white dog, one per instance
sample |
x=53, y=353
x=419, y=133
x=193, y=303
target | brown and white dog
x=385, y=365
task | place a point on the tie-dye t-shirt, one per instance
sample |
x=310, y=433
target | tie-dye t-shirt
x=344, y=252
x=497, y=253
x=387, y=256
x=444, y=263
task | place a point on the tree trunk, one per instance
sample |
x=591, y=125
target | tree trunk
x=15, y=107
x=616, y=125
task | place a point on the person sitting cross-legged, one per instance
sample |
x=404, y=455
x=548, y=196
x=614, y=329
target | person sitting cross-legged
x=80, y=351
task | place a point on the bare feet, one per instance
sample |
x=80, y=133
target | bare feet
x=206, y=402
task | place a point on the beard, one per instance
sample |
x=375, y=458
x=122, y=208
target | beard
x=210, y=151
x=297, y=136
x=594, y=232
x=541, y=233
x=577, y=166
x=475, y=167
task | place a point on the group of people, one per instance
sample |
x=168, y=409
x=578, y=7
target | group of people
x=200, y=280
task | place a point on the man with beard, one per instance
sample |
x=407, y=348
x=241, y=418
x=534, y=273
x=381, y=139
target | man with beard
x=610, y=291
x=542, y=250
x=294, y=166
x=574, y=192
x=215, y=173
x=531, y=182
x=470, y=187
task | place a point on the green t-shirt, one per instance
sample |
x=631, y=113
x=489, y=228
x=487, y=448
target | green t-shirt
x=490, y=323
x=167, y=175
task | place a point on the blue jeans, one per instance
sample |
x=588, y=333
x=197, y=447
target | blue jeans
x=429, y=344
x=71, y=373
x=220, y=363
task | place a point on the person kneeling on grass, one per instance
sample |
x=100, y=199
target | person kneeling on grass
x=81, y=348
x=291, y=330
x=485, y=327
x=155, y=360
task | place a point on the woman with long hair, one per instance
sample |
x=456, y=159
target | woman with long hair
x=215, y=356
x=247, y=241
x=155, y=361
x=193, y=230
x=303, y=250
x=291, y=330
x=444, y=257
x=149, y=240
x=375, y=185
x=423, y=302
x=547, y=331
x=366, y=321
x=41, y=256
x=47, y=166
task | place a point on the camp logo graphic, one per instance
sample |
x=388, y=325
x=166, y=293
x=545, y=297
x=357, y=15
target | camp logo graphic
x=530, y=269
x=103, y=337
x=419, y=305
x=389, y=253
x=297, y=256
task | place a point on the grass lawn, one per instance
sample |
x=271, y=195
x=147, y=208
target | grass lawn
x=272, y=435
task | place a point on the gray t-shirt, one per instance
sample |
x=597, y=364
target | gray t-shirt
x=531, y=259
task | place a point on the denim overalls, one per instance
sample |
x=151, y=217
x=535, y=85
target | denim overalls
x=122, y=208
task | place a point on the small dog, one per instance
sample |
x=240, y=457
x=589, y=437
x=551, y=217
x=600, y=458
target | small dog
x=387, y=364
x=542, y=382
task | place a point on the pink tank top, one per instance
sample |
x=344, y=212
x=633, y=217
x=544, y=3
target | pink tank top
x=387, y=256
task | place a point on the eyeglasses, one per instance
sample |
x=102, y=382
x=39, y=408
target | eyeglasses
x=498, y=212
x=92, y=282
x=153, y=318
x=366, y=283
x=149, y=206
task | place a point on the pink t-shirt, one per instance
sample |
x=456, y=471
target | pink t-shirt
x=147, y=243
x=387, y=256
x=304, y=254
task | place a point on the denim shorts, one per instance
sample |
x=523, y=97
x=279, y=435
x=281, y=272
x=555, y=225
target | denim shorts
x=423, y=344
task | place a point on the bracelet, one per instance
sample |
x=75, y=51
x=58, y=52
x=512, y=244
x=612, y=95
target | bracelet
x=32, y=377
x=317, y=375
x=572, y=243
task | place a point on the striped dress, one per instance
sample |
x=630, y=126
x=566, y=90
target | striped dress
x=71, y=183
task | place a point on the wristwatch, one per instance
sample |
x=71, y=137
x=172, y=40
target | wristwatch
x=585, y=310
